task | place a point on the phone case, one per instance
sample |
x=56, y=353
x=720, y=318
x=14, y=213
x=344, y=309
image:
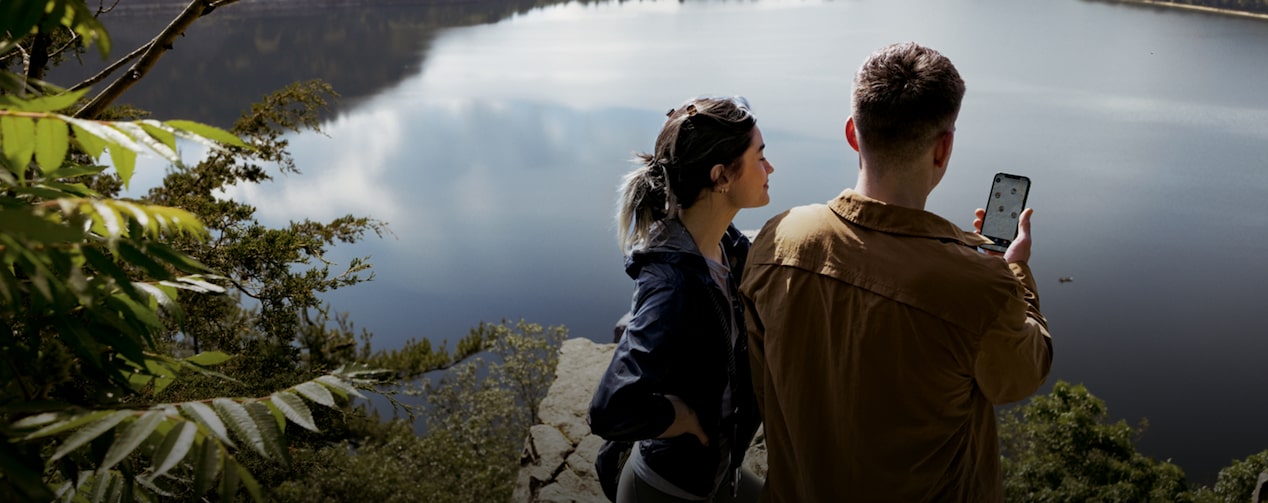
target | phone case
x=1004, y=205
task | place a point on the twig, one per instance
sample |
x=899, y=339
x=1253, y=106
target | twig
x=155, y=50
x=100, y=76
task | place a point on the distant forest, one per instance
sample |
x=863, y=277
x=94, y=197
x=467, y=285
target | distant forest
x=1255, y=6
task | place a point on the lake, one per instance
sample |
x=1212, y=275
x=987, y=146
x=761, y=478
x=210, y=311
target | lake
x=491, y=136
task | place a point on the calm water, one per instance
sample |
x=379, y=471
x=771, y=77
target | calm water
x=492, y=135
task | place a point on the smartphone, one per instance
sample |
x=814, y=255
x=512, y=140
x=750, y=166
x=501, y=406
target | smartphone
x=1003, y=208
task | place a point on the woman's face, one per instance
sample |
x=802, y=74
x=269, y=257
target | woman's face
x=749, y=189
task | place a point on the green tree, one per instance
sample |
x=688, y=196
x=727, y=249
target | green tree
x=1236, y=483
x=480, y=414
x=89, y=300
x=1060, y=447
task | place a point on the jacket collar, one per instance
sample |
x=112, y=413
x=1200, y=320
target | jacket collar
x=880, y=216
x=668, y=241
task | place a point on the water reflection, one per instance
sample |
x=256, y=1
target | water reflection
x=494, y=155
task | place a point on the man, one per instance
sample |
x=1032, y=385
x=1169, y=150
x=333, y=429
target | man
x=880, y=336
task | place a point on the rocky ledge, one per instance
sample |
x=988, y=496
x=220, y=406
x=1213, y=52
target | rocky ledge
x=558, y=460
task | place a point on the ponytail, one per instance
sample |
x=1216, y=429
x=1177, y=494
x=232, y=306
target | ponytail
x=700, y=134
x=644, y=199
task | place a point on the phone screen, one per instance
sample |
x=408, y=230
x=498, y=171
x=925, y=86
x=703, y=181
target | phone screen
x=1003, y=208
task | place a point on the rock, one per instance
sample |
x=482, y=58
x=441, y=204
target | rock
x=1261, y=489
x=558, y=460
x=567, y=403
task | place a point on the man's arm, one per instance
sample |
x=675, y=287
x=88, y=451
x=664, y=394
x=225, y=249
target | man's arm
x=1016, y=352
x=1015, y=355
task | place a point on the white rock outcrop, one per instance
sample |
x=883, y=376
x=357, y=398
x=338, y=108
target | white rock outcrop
x=557, y=465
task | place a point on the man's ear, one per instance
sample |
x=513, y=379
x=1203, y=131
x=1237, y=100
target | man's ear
x=942, y=149
x=850, y=134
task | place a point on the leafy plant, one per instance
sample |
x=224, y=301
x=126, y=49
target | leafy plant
x=89, y=294
x=1060, y=447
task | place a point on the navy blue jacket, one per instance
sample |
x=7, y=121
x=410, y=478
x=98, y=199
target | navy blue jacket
x=675, y=344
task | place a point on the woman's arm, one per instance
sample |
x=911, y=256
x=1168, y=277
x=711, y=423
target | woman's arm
x=629, y=403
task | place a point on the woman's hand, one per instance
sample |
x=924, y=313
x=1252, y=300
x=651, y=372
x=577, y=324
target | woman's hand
x=685, y=422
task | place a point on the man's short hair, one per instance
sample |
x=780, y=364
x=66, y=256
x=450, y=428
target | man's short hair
x=905, y=96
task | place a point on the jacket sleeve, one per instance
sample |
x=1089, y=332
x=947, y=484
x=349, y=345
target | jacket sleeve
x=1016, y=352
x=629, y=403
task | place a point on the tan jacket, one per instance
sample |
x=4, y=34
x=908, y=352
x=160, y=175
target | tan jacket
x=880, y=340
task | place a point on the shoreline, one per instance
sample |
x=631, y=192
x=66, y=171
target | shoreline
x=1200, y=8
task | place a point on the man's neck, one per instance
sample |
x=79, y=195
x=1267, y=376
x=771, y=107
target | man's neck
x=898, y=190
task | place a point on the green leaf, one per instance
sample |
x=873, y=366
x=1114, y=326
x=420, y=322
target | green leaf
x=205, y=131
x=203, y=415
x=89, y=432
x=52, y=140
x=278, y=415
x=176, y=258
x=105, y=132
x=131, y=438
x=228, y=480
x=208, y=466
x=209, y=358
x=248, y=481
x=155, y=372
x=339, y=386
x=20, y=475
x=103, y=481
x=194, y=283
x=67, y=424
x=316, y=393
x=177, y=219
x=73, y=171
x=19, y=18
x=294, y=408
x=124, y=161
x=103, y=264
x=142, y=136
x=71, y=189
x=175, y=446
x=33, y=228
x=272, y=440
x=132, y=310
x=36, y=420
x=18, y=144
x=239, y=420
x=138, y=258
x=90, y=143
x=161, y=132
x=76, y=15
x=54, y=102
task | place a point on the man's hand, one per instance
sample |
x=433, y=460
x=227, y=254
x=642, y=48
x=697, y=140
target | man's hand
x=1019, y=250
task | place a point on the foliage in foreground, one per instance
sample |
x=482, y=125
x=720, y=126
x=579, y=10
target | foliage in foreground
x=91, y=405
x=1060, y=447
x=479, y=416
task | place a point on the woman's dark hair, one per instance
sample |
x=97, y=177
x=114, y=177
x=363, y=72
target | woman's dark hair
x=697, y=136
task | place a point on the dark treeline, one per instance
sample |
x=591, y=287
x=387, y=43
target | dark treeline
x=260, y=46
x=1251, y=6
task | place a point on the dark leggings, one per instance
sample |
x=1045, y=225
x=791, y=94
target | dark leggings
x=634, y=490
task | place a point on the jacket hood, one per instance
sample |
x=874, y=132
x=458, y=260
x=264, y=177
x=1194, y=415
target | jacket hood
x=669, y=242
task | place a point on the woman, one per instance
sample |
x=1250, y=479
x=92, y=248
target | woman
x=679, y=383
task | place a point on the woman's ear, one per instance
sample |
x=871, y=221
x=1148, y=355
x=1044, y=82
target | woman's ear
x=718, y=174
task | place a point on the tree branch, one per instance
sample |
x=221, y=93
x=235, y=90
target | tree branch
x=100, y=76
x=155, y=50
